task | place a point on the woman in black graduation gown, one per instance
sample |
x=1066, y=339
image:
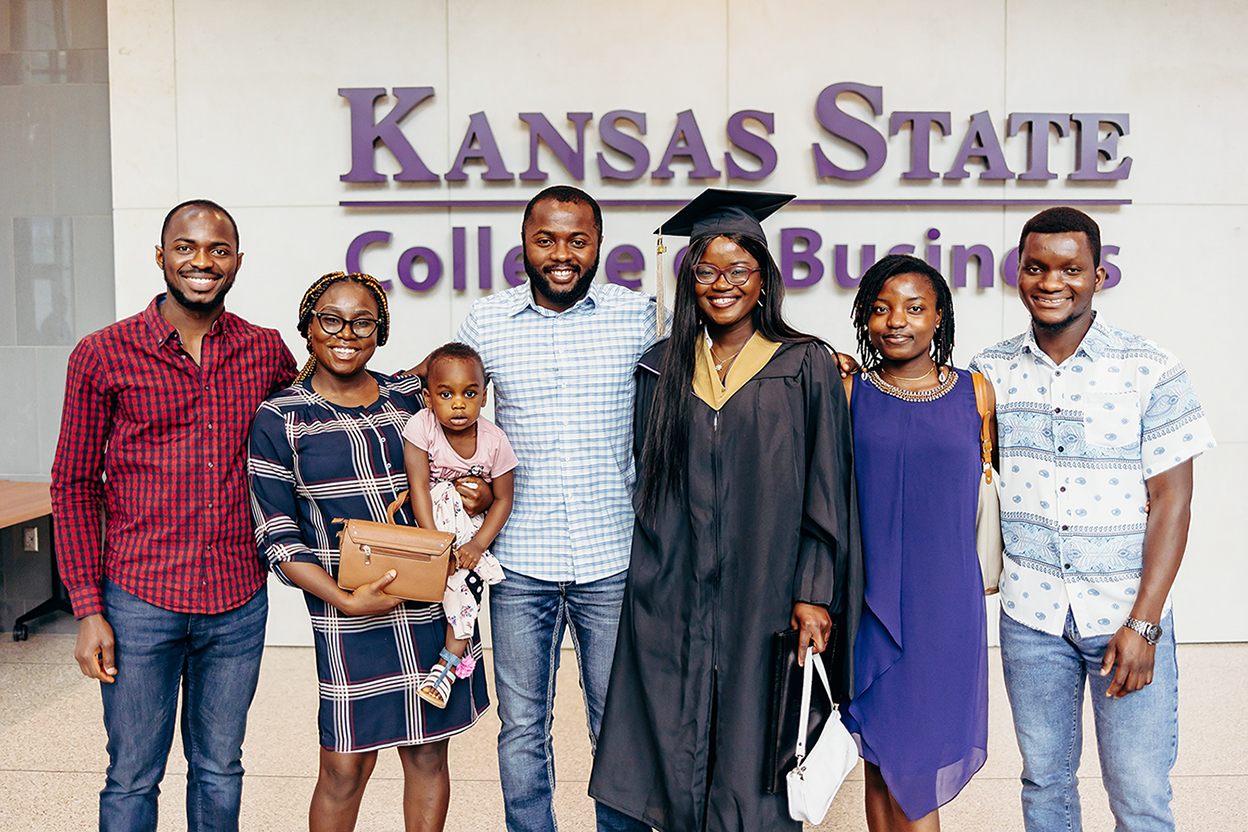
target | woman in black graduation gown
x=746, y=525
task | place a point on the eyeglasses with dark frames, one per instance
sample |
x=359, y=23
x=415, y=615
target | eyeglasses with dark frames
x=736, y=275
x=332, y=324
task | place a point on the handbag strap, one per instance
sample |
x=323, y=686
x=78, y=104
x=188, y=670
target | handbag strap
x=394, y=507
x=814, y=664
x=985, y=432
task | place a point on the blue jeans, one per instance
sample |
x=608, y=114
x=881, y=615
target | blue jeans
x=527, y=620
x=215, y=659
x=1137, y=736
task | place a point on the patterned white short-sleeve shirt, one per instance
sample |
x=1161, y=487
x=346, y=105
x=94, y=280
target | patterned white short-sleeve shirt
x=1078, y=441
x=563, y=394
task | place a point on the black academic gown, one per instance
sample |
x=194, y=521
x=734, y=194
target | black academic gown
x=770, y=519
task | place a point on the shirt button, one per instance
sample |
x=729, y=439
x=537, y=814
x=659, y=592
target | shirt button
x=210, y=464
x=1058, y=373
x=1063, y=488
x=1065, y=528
x=1060, y=449
x=1067, y=566
x=1057, y=410
x=209, y=504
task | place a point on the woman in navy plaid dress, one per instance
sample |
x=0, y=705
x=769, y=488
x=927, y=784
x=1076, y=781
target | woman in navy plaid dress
x=330, y=446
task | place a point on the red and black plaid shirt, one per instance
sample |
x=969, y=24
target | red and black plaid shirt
x=158, y=443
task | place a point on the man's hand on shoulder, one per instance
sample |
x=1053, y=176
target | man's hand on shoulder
x=94, y=650
x=847, y=364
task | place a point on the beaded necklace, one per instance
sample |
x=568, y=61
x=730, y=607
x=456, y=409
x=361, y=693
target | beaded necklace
x=877, y=381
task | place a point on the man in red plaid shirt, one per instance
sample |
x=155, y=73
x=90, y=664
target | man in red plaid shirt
x=152, y=446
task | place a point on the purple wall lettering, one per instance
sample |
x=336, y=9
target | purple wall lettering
x=1091, y=147
x=981, y=143
x=1009, y=267
x=432, y=262
x=459, y=265
x=840, y=265
x=1038, y=126
x=485, y=260
x=485, y=150
x=962, y=255
x=808, y=256
x=540, y=129
x=932, y=253
x=921, y=123
x=751, y=144
x=686, y=143
x=629, y=147
x=1113, y=274
x=841, y=125
x=367, y=134
x=625, y=260
x=356, y=249
x=625, y=264
x=513, y=267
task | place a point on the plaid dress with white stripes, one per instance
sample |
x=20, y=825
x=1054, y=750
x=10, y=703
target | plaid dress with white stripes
x=310, y=462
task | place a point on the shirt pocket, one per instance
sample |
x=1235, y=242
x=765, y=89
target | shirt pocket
x=1111, y=420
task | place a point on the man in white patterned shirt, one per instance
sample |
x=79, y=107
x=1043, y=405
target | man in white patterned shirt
x=561, y=351
x=1098, y=429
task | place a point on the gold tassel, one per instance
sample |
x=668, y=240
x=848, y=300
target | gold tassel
x=659, y=311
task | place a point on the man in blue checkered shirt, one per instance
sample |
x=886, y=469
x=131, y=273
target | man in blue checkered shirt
x=560, y=351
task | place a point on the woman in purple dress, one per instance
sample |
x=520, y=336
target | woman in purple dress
x=920, y=705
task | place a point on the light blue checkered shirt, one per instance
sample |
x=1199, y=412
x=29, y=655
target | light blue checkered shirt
x=563, y=393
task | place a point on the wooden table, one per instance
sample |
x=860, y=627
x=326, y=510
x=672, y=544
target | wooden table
x=20, y=502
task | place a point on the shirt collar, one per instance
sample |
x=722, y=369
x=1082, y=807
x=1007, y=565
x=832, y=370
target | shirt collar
x=164, y=332
x=1092, y=346
x=524, y=300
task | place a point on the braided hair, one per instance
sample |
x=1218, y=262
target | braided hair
x=314, y=293
x=869, y=291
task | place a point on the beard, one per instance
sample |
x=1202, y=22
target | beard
x=211, y=305
x=567, y=297
x=1056, y=327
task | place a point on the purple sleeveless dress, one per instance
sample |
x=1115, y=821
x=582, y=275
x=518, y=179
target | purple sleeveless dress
x=920, y=706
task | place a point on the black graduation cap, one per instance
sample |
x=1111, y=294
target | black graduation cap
x=718, y=211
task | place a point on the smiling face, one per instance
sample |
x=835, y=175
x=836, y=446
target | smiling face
x=903, y=319
x=560, y=252
x=1057, y=278
x=456, y=392
x=343, y=353
x=723, y=305
x=199, y=257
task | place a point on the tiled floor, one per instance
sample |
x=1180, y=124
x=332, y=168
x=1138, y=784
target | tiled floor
x=52, y=754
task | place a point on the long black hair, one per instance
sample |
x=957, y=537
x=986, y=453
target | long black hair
x=869, y=291
x=665, y=455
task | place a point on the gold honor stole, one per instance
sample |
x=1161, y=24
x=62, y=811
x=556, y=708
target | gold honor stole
x=752, y=358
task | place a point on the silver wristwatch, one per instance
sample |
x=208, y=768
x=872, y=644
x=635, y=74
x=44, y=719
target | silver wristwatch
x=1150, y=632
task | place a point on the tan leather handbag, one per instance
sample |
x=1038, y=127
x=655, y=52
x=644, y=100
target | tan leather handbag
x=420, y=558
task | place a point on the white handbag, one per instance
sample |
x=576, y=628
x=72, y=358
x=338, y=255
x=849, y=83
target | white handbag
x=818, y=775
x=989, y=542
